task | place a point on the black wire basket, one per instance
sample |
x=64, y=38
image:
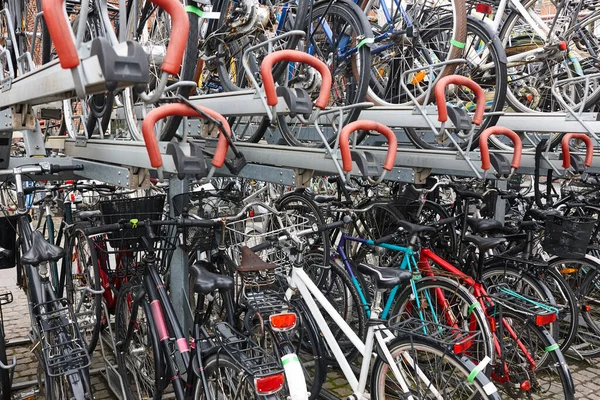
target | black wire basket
x=567, y=237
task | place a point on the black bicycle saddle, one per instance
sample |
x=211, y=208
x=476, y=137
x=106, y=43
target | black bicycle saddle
x=415, y=229
x=484, y=244
x=206, y=282
x=484, y=225
x=41, y=251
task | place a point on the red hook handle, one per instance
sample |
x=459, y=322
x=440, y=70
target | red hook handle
x=60, y=31
x=499, y=130
x=440, y=96
x=300, y=57
x=181, y=110
x=366, y=125
x=589, y=148
x=180, y=29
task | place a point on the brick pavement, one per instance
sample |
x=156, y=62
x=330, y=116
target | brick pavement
x=16, y=322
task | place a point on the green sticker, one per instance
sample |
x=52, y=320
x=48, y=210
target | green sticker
x=552, y=347
x=289, y=358
x=134, y=222
x=458, y=44
x=472, y=307
x=365, y=41
x=195, y=10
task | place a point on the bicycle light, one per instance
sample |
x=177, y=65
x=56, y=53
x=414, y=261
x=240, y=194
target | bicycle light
x=269, y=384
x=545, y=319
x=484, y=9
x=283, y=321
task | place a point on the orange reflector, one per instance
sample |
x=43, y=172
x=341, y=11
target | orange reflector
x=283, y=321
x=526, y=386
x=563, y=46
x=541, y=320
x=529, y=97
x=484, y=9
x=565, y=271
x=587, y=308
x=419, y=76
x=269, y=384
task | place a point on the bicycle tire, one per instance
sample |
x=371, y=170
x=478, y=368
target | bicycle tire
x=145, y=332
x=350, y=78
x=473, y=318
x=419, y=54
x=92, y=303
x=444, y=361
x=213, y=365
x=479, y=38
x=5, y=384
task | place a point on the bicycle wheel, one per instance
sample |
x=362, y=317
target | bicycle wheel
x=82, y=273
x=531, y=78
x=446, y=302
x=225, y=380
x=530, y=358
x=151, y=27
x=139, y=358
x=407, y=39
x=5, y=384
x=67, y=387
x=425, y=366
x=486, y=65
x=337, y=30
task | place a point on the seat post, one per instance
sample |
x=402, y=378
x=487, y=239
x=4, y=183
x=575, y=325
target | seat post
x=480, y=261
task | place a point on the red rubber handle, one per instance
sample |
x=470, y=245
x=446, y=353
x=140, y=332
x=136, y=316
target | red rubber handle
x=499, y=130
x=180, y=29
x=300, y=57
x=589, y=148
x=440, y=96
x=60, y=31
x=180, y=110
x=366, y=125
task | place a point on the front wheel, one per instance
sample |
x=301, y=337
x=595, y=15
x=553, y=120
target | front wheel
x=427, y=367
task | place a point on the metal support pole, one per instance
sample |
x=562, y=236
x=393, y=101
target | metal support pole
x=179, y=268
x=500, y=210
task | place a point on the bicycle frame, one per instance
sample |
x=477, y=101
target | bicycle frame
x=379, y=334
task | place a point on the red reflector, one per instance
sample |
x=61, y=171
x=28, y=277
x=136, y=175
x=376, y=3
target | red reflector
x=526, y=386
x=70, y=182
x=460, y=348
x=563, y=46
x=492, y=323
x=269, y=384
x=72, y=196
x=283, y=321
x=251, y=213
x=587, y=308
x=546, y=319
x=484, y=9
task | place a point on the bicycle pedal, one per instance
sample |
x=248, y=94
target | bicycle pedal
x=6, y=298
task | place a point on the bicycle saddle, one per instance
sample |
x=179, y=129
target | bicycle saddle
x=385, y=277
x=5, y=253
x=484, y=244
x=251, y=262
x=415, y=229
x=480, y=225
x=467, y=194
x=206, y=282
x=86, y=215
x=41, y=251
x=541, y=215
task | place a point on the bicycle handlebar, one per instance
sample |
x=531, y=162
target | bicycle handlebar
x=61, y=33
x=440, y=96
x=499, y=130
x=294, y=56
x=367, y=125
x=95, y=230
x=181, y=110
x=589, y=148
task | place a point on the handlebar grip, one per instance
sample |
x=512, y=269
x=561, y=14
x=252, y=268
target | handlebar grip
x=59, y=168
x=180, y=29
x=367, y=125
x=262, y=246
x=440, y=96
x=181, y=110
x=334, y=225
x=60, y=31
x=94, y=230
x=384, y=239
x=294, y=56
x=200, y=223
x=589, y=148
x=499, y=130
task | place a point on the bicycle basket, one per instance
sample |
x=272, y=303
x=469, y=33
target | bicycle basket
x=139, y=208
x=567, y=236
x=8, y=238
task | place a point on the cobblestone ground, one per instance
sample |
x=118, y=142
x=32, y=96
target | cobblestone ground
x=16, y=323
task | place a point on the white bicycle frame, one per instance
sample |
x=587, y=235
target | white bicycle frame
x=299, y=280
